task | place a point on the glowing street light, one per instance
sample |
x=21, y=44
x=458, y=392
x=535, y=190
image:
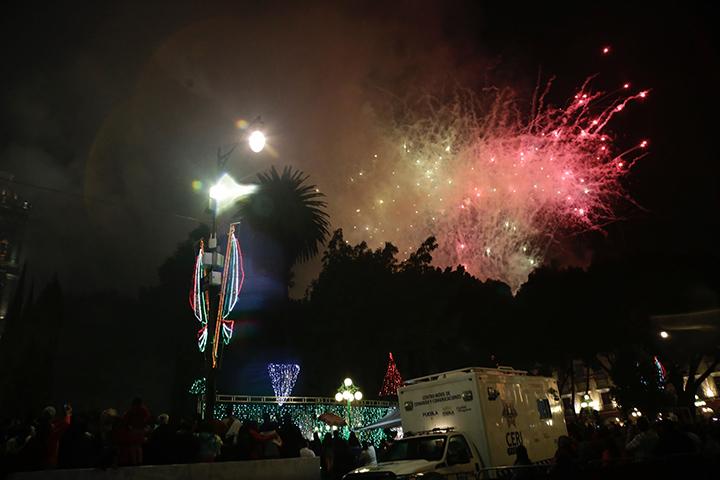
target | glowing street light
x=256, y=141
x=349, y=393
x=664, y=335
x=227, y=191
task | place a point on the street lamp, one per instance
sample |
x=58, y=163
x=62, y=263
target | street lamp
x=349, y=393
x=256, y=140
x=664, y=335
x=218, y=278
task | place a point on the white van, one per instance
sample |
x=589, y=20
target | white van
x=461, y=422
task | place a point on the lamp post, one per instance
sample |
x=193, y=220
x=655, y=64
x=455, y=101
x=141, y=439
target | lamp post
x=218, y=278
x=348, y=392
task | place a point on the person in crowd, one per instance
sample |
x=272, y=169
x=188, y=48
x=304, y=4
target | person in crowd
x=316, y=444
x=268, y=425
x=185, y=443
x=109, y=425
x=522, y=461
x=78, y=447
x=565, y=460
x=49, y=431
x=209, y=443
x=710, y=442
x=135, y=420
x=244, y=442
x=355, y=449
x=259, y=440
x=343, y=462
x=159, y=448
x=611, y=454
x=16, y=455
x=672, y=441
x=642, y=444
x=291, y=437
x=327, y=457
x=368, y=457
x=306, y=451
x=233, y=428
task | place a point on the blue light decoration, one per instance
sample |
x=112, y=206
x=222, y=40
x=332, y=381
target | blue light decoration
x=283, y=377
x=198, y=302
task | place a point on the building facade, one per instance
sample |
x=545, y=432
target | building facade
x=13, y=217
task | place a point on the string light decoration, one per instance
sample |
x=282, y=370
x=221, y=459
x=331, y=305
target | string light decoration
x=393, y=379
x=198, y=386
x=235, y=271
x=306, y=416
x=495, y=186
x=232, y=281
x=661, y=372
x=198, y=300
x=283, y=377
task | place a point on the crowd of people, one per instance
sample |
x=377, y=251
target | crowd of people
x=615, y=447
x=110, y=439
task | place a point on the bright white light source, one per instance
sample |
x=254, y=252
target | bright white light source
x=338, y=397
x=347, y=395
x=256, y=140
x=347, y=382
x=664, y=334
x=226, y=191
x=358, y=395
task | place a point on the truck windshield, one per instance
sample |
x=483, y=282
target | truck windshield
x=418, y=448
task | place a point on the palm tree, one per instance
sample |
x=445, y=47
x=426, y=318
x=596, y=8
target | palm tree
x=291, y=214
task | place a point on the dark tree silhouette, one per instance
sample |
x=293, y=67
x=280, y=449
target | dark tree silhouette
x=291, y=213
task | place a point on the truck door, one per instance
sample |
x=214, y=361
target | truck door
x=460, y=464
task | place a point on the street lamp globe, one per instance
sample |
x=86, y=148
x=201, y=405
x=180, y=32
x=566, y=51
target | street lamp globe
x=256, y=140
x=347, y=395
x=664, y=335
x=338, y=397
x=347, y=382
x=358, y=395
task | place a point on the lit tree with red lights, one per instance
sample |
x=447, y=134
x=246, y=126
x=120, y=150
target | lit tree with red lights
x=392, y=380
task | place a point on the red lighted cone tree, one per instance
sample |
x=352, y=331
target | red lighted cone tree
x=392, y=380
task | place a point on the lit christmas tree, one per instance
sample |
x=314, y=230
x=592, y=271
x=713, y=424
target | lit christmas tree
x=392, y=380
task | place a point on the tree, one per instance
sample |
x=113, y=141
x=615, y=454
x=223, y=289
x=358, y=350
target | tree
x=32, y=345
x=171, y=321
x=366, y=302
x=392, y=380
x=637, y=381
x=291, y=214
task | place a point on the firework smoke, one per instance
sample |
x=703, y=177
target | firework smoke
x=495, y=186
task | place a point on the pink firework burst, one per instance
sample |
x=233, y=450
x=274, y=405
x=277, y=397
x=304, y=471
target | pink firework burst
x=496, y=186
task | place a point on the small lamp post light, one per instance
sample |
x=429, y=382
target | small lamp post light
x=349, y=393
x=664, y=335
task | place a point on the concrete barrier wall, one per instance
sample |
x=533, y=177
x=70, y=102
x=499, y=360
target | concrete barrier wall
x=286, y=468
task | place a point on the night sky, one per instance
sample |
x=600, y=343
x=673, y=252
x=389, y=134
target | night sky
x=110, y=112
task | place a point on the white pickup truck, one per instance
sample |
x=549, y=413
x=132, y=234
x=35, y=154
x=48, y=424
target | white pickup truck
x=459, y=423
